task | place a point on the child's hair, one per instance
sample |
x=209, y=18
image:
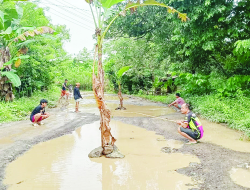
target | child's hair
x=178, y=94
x=66, y=79
x=43, y=101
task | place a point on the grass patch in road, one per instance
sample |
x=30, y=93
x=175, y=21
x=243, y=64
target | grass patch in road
x=21, y=108
x=233, y=111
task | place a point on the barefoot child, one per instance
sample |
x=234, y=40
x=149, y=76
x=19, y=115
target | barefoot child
x=39, y=114
x=191, y=128
x=77, y=96
x=63, y=92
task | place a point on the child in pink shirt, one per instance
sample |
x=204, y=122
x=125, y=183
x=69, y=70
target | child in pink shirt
x=178, y=102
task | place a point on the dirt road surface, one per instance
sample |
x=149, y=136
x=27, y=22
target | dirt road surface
x=145, y=135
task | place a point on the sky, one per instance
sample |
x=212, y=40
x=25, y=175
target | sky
x=76, y=15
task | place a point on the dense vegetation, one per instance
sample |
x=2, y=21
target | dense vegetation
x=207, y=58
x=209, y=55
x=46, y=63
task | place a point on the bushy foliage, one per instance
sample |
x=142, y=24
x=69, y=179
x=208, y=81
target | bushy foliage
x=203, y=44
x=194, y=83
x=21, y=108
x=143, y=57
x=77, y=70
x=198, y=84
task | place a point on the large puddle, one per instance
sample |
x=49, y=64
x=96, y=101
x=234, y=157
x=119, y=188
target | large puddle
x=224, y=136
x=132, y=110
x=241, y=176
x=214, y=133
x=63, y=163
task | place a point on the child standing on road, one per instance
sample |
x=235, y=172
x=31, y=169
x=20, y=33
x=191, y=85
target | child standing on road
x=77, y=96
x=39, y=114
x=63, y=92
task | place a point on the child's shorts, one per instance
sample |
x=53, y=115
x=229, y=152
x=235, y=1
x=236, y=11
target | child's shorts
x=33, y=119
x=77, y=100
x=63, y=92
x=193, y=134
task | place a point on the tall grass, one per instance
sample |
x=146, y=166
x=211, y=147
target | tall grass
x=21, y=108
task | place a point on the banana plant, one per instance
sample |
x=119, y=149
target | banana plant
x=12, y=36
x=101, y=10
x=119, y=75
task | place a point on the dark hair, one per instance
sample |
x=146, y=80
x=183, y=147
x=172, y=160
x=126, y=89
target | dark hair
x=178, y=94
x=66, y=79
x=43, y=101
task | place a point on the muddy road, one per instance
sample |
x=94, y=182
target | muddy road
x=55, y=155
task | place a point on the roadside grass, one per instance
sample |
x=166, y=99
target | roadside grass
x=21, y=108
x=164, y=99
x=235, y=112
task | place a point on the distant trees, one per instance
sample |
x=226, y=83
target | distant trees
x=203, y=44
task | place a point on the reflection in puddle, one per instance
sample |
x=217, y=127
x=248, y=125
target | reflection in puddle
x=63, y=163
x=107, y=97
x=132, y=110
x=241, y=176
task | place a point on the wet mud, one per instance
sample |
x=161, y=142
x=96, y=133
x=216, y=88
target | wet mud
x=54, y=156
x=144, y=166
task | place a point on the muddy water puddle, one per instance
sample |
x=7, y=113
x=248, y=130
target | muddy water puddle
x=107, y=97
x=214, y=133
x=132, y=110
x=25, y=130
x=63, y=163
x=88, y=104
x=224, y=136
x=241, y=176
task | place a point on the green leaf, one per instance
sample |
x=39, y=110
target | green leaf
x=16, y=58
x=208, y=45
x=25, y=43
x=22, y=29
x=221, y=19
x=10, y=15
x=1, y=20
x=14, y=78
x=109, y=3
x=153, y=2
x=8, y=31
x=122, y=71
x=39, y=84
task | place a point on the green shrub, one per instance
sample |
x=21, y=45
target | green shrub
x=21, y=108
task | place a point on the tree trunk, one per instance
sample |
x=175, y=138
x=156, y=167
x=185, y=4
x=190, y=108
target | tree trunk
x=5, y=87
x=5, y=57
x=107, y=140
x=121, y=99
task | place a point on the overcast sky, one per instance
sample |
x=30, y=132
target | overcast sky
x=76, y=15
